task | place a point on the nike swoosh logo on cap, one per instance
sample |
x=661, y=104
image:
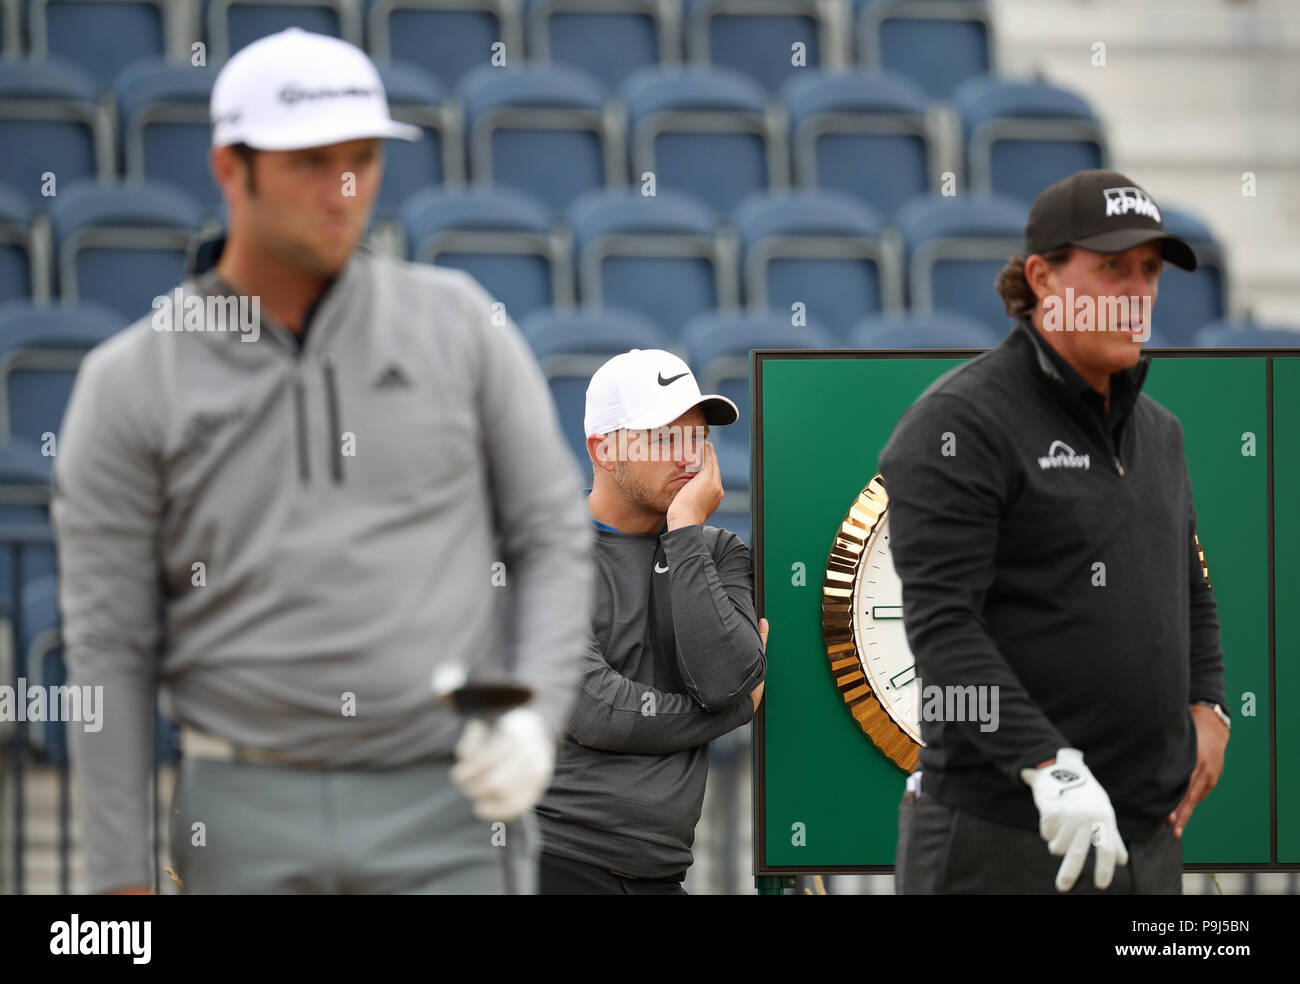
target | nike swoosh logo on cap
x=671, y=379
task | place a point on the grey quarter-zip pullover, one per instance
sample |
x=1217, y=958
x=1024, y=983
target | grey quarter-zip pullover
x=288, y=541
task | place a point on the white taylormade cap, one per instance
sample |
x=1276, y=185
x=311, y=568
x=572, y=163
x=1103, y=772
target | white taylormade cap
x=647, y=388
x=295, y=89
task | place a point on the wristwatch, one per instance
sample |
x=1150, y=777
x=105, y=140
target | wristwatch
x=1219, y=711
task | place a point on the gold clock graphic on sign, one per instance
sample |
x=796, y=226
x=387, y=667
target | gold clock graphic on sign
x=862, y=624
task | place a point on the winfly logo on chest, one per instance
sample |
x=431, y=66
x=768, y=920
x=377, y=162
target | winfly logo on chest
x=1061, y=455
x=75, y=938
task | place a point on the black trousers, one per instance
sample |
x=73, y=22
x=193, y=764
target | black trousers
x=945, y=851
x=563, y=876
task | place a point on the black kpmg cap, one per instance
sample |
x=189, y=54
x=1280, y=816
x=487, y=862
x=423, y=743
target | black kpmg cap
x=1102, y=211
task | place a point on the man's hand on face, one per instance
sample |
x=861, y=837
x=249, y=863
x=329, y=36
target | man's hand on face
x=699, y=497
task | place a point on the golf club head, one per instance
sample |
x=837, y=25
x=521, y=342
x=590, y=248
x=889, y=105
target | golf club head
x=487, y=698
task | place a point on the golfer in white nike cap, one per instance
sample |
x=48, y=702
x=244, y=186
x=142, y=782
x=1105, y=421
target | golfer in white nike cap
x=675, y=656
x=647, y=425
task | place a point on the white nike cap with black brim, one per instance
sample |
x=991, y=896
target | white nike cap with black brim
x=295, y=89
x=647, y=388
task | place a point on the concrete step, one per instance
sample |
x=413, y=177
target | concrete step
x=1153, y=26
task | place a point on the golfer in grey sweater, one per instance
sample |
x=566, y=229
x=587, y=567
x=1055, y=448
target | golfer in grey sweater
x=675, y=657
x=286, y=529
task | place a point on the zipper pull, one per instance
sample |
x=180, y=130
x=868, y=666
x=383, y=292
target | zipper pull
x=1119, y=468
x=300, y=422
x=332, y=406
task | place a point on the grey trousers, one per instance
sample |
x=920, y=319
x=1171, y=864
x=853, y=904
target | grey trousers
x=257, y=829
x=944, y=851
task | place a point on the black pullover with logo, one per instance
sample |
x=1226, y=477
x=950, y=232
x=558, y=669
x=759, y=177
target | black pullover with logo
x=1048, y=548
x=673, y=654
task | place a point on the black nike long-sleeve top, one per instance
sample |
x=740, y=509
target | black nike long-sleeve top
x=673, y=655
x=1047, y=547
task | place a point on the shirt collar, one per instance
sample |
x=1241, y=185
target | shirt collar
x=604, y=526
x=205, y=252
x=597, y=523
x=1125, y=385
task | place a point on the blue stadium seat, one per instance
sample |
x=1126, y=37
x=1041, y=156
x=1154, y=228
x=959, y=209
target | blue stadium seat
x=737, y=522
x=25, y=476
x=543, y=128
x=1227, y=333
x=162, y=111
x=825, y=250
x=122, y=245
x=101, y=36
x=707, y=131
x=25, y=479
x=23, y=319
x=1154, y=341
x=40, y=350
x=935, y=330
x=43, y=642
x=233, y=24
x=416, y=97
x=660, y=255
x=756, y=37
x=11, y=28
x=865, y=133
x=610, y=39
x=1022, y=136
x=52, y=128
x=1187, y=301
x=24, y=250
x=939, y=43
x=733, y=513
x=571, y=346
x=504, y=237
x=44, y=648
x=447, y=38
x=718, y=346
x=956, y=247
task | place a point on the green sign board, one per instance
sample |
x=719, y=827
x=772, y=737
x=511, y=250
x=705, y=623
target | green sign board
x=825, y=799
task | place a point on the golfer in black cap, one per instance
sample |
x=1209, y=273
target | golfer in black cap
x=1043, y=529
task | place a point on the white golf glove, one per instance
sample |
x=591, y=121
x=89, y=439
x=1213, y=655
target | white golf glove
x=504, y=768
x=1074, y=811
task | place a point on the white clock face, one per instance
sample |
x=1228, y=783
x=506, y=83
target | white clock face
x=878, y=628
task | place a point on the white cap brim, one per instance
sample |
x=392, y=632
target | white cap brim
x=718, y=412
x=324, y=136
